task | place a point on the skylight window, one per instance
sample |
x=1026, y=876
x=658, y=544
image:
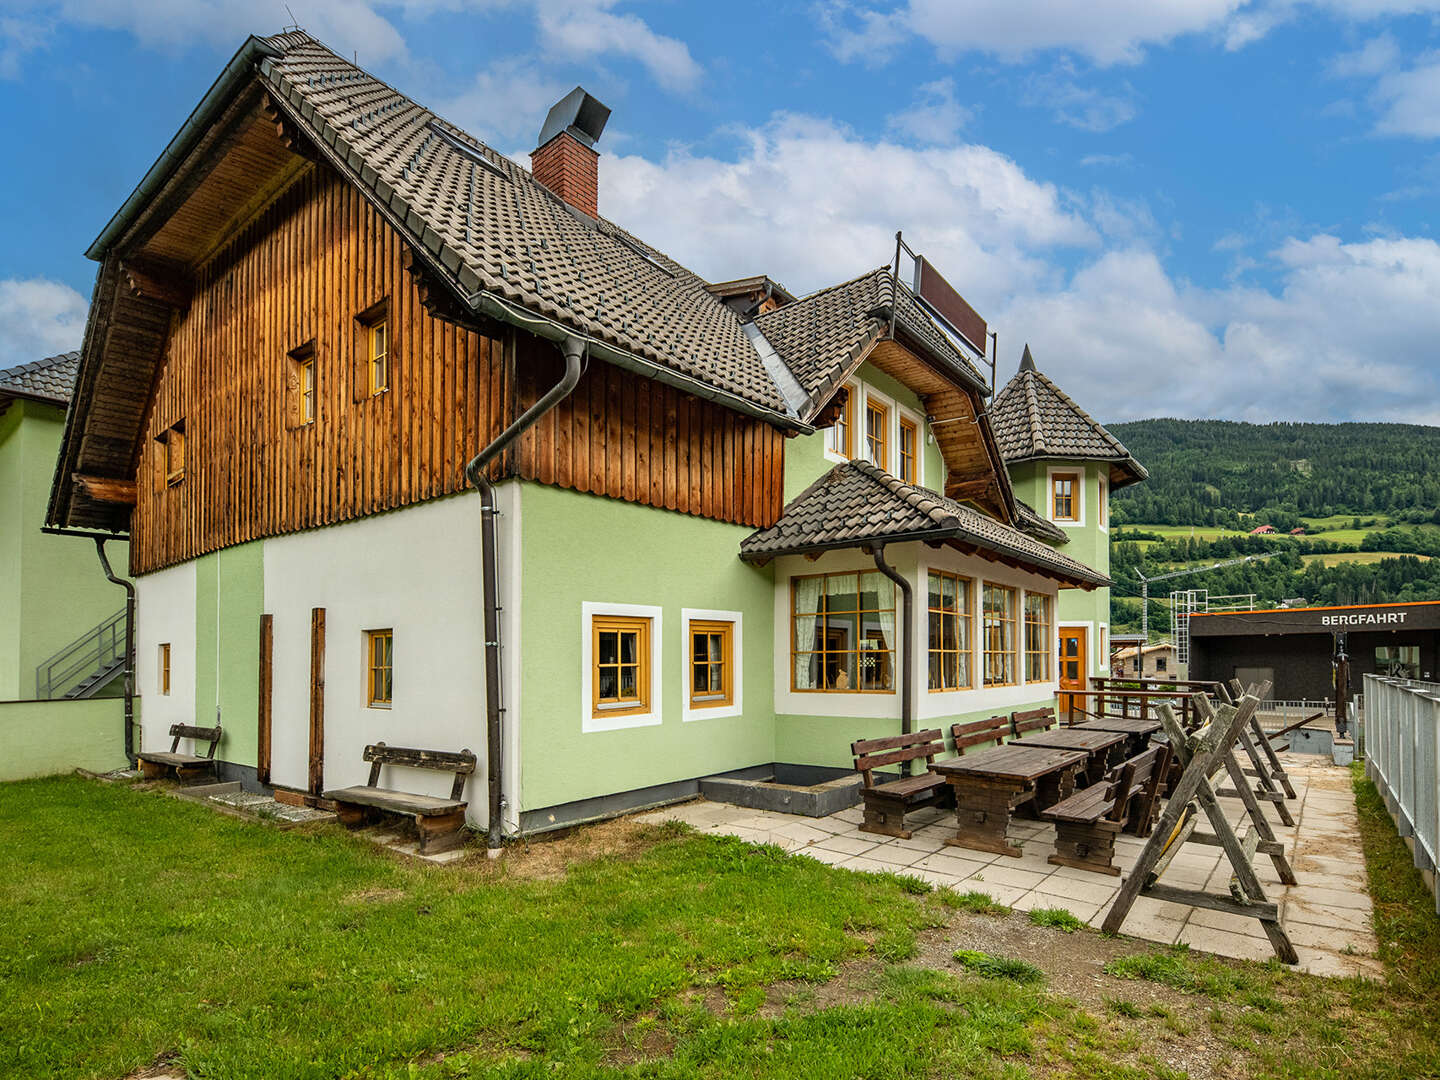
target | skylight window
x=468, y=149
x=638, y=250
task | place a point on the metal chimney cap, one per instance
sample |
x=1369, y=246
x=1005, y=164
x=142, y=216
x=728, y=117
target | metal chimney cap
x=578, y=113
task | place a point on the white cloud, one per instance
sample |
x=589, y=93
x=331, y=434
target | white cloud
x=934, y=117
x=810, y=203
x=1409, y=99
x=583, y=28
x=506, y=102
x=1105, y=31
x=1347, y=331
x=1376, y=56
x=1078, y=106
x=349, y=26
x=38, y=318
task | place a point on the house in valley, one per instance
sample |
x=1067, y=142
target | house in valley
x=713, y=528
x=1151, y=662
x=1064, y=462
x=62, y=627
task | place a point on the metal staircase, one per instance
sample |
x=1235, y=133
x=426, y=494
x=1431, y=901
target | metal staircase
x=85, y=666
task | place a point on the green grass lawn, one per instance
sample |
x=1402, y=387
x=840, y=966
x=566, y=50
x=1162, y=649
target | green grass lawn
x=137, y=929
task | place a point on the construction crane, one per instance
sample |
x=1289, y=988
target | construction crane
x=1145, y=582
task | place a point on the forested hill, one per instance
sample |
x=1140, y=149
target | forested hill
x=1205, y=472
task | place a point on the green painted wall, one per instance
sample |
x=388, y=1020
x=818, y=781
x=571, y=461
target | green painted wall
x=825, y=740
x=1088, y=543
x=52, y=584
x=42, y=738
x=229, y=600
x=805, y=455
x=581, y=548
x=11, y=503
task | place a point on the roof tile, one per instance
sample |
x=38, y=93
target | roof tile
x=51, y=379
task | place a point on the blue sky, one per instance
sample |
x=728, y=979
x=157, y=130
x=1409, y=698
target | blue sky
x=1196, y=208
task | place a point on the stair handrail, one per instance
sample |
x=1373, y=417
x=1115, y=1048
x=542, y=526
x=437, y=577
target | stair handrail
x=61, y=671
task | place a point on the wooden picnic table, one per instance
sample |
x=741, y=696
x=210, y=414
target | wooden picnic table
x=1136, y=728
x=989, y=785
x=1105, y=748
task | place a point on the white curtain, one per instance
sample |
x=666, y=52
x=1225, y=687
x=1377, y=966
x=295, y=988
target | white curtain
x=886, y=590
x=807, y=629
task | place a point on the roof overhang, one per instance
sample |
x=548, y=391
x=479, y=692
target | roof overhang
x=1123, y=471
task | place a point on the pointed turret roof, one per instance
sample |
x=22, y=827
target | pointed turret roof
x=1034, y=419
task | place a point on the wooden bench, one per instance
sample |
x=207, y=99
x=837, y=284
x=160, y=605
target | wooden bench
x=1032, y=720
x=980, y=732
x=1087, y=823
x=439, y=821
x=886, y=803
x=156, y=764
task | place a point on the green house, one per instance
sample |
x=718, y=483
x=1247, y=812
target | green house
x=62, y=628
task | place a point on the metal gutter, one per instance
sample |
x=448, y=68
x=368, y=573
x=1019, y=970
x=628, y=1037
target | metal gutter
x=129, y=587
x=575, y=355
x=240, y=64
x=907, y=664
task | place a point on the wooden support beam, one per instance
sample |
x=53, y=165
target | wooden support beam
x=317, y=701
x=160, y=284
x=106, y=489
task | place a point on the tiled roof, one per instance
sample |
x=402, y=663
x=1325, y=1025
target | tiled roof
x=491, y=226
x=821, y=336
x=1033, y=418
x=51, y=379
x=858, y=503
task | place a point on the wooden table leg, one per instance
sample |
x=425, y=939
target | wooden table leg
x=1054, y=787
x=982, y=813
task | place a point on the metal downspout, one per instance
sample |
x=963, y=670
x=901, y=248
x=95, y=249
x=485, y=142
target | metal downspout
x=129, y=587
x=907, y=667
x=575, y=351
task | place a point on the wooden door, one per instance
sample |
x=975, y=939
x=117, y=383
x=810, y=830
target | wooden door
x=1074, y=670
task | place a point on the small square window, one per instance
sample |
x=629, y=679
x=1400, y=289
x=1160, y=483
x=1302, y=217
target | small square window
x=620, y=679
x=380, y=667
x=164, y=673
x=303, y=386
x=171, y=455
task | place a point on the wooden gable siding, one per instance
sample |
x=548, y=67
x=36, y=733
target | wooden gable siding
x=628, y=437
x=303, y=270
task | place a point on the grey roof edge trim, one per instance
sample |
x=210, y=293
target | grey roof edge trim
x=503, y=310
x=240, y=65
x=783, y=378
x=866, y=543
x=1139, y=471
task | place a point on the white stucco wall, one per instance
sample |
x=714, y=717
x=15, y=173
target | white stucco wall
x=165, y=612
x=416, y=571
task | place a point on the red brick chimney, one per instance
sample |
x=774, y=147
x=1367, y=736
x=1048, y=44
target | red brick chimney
x=566, y=160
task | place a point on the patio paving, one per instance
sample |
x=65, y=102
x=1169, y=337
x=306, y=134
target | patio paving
x=1327, y=915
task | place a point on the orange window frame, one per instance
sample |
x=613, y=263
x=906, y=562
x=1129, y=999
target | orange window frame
x=711, y=657
x=998, y=633
x=379, y=668
x=165, y=667
x=877, y=433
x=1039, y=623
x=909, y=450
x=619, y=703
x=1065, y=505
x=960, y=617
x=844, y=427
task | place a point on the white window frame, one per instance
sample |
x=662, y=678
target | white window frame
x=1102, y=498
x=737, y=662
x=652, y=716
x=861, y=394
x=1082, y=483
x=1102, y=659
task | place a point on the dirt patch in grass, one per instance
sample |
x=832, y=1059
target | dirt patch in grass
x=549, y=856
